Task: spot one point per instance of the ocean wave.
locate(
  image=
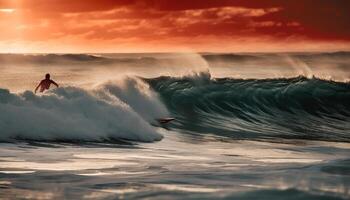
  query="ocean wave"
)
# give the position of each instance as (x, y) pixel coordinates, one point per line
(112, 111)
(297, 108)
(284, 108)
(73, 59)
(153, 58)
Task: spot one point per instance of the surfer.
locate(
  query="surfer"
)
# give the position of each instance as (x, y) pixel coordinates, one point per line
(45, 84)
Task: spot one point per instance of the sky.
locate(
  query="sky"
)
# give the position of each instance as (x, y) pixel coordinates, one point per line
(88, 26)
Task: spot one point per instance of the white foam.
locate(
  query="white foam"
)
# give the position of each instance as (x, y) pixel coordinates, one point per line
(138, 95)
(111, 111)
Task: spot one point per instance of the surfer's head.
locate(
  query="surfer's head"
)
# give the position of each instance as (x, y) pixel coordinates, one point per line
(47, 76)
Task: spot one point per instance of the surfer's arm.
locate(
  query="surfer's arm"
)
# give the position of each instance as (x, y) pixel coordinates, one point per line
(37, 87)
(53, 82)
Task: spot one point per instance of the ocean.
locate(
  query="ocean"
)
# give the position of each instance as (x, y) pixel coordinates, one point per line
(247, 126)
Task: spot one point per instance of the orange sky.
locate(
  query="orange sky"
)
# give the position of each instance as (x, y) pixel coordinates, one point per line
(173, 25)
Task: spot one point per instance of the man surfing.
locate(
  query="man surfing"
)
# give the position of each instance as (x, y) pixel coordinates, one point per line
(45, 84)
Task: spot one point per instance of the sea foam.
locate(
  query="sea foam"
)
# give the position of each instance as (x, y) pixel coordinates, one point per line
(114, 110)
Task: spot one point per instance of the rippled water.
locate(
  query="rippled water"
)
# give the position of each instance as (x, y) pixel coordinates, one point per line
(177, 167)
(256, 126)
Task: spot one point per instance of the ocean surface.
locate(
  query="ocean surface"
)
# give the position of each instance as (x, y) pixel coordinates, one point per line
(247, 126)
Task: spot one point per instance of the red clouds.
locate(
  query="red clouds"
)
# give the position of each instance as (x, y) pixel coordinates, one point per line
(197, 24)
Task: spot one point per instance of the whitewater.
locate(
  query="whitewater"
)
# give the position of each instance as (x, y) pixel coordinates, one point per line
(69, 113)
(246, 126)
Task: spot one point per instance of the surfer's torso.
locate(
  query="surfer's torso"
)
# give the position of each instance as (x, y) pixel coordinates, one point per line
(45, 84)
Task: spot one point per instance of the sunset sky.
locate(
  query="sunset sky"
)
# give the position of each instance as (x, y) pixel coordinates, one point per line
(78, 26)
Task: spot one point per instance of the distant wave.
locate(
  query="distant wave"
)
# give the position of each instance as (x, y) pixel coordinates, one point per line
(30, 59)
(112, 111)
(297, 108)
(153, 58)
(71, 59)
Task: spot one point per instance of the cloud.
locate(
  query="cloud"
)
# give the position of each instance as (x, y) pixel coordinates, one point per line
(142, 21)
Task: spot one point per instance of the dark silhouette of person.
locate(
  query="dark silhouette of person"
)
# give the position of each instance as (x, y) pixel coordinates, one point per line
(45, 84)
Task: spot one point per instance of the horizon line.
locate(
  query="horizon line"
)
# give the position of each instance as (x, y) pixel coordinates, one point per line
(183, 52)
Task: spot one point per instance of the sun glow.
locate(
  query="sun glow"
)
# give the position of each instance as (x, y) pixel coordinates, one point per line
(121, 26)
(7, 10)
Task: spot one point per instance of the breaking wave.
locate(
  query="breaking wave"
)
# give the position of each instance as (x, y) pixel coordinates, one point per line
(296, 108)
(284, 108)
(112, 111)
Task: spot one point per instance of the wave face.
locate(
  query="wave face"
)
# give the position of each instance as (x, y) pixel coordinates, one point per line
(293, 108)
(109, 112)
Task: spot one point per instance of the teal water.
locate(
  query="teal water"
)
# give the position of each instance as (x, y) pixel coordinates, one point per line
(177, 167)
(252, 126)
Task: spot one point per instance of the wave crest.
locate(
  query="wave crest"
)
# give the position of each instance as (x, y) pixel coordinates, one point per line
(111, 111)
(299, 107)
